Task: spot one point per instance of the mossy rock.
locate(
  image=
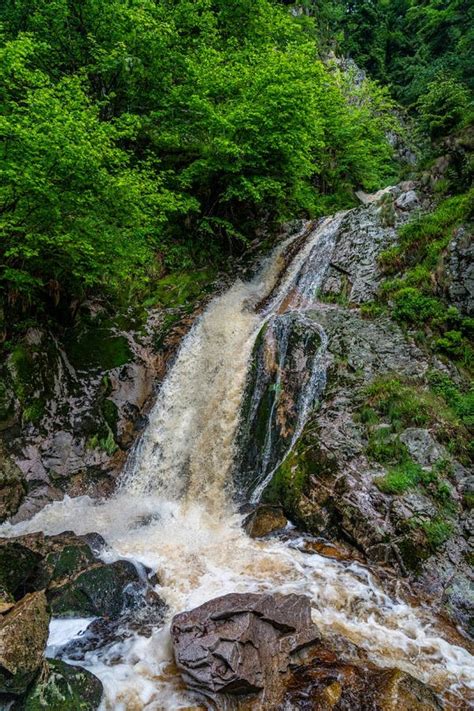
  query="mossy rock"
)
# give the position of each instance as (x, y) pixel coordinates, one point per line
(18, 564)
(23, 636)
(31, 369)
(290, 486)
(275, 392)
(97, 591)
(8, 415)
(64, 564)
(62, 687)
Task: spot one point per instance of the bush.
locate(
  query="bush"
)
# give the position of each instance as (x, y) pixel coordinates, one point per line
(444, 106)
(413, 306)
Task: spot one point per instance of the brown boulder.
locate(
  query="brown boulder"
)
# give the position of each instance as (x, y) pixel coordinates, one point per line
(23, 637)
(264, 520)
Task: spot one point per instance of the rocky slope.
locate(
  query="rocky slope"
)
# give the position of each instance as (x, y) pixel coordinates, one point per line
(384, 465)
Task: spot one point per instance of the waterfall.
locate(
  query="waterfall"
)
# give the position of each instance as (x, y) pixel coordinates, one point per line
(174, 509)
(188, 447)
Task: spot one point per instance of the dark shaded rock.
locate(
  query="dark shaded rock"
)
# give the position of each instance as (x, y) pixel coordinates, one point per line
(241, 643)
(23, 636)
(264, 520)
(76, 582)
(18, 565)
(62, 687)
(12, 486)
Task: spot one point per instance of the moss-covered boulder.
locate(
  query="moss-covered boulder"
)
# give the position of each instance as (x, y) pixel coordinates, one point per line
(99, 590)
(62, 687)
(23, 637)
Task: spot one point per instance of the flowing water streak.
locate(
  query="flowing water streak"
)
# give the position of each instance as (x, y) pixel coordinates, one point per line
(188, 445)
(197, 545)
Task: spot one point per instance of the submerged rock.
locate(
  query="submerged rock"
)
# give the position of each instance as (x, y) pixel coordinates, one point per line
(23, 636)
(62, 687)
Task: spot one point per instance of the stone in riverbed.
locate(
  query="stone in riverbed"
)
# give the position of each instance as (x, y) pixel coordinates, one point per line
(23, 636)
(241, 643)
(100, 590)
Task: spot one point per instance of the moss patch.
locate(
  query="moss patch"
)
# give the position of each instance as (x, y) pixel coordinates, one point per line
(97, 348)
(182, 288)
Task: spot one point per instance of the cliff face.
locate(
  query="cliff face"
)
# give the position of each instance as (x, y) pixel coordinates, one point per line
(384, 463)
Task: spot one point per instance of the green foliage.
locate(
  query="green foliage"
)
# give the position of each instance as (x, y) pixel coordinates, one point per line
(413, 306)
(415, 290)
(180, 288)
(461, 403)
(422, 50)
(401, 478)
(143, 135)
(444, 106)
(384, 447)
(401, 404)
(437, 532)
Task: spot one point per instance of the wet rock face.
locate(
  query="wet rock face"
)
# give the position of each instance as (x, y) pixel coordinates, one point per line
(241, 643)
(285, 361)
(70, 408)
(261, 652)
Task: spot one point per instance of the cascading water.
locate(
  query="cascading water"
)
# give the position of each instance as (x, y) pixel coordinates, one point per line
(174, 511)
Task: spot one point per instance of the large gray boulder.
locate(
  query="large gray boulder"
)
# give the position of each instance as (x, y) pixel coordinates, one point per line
(241, 643)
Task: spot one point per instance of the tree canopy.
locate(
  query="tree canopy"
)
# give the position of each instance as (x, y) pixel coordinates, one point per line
(138, 134)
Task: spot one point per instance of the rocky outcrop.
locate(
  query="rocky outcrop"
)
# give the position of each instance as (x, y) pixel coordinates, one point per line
(457, 275)
(262, 652)
(76, 582)
(72, 404)
(387, 473)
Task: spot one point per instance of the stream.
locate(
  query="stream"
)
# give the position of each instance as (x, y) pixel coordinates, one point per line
(175, 509)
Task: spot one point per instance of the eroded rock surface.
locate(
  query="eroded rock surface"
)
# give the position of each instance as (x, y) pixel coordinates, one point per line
(262, 652)
(241, 643)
